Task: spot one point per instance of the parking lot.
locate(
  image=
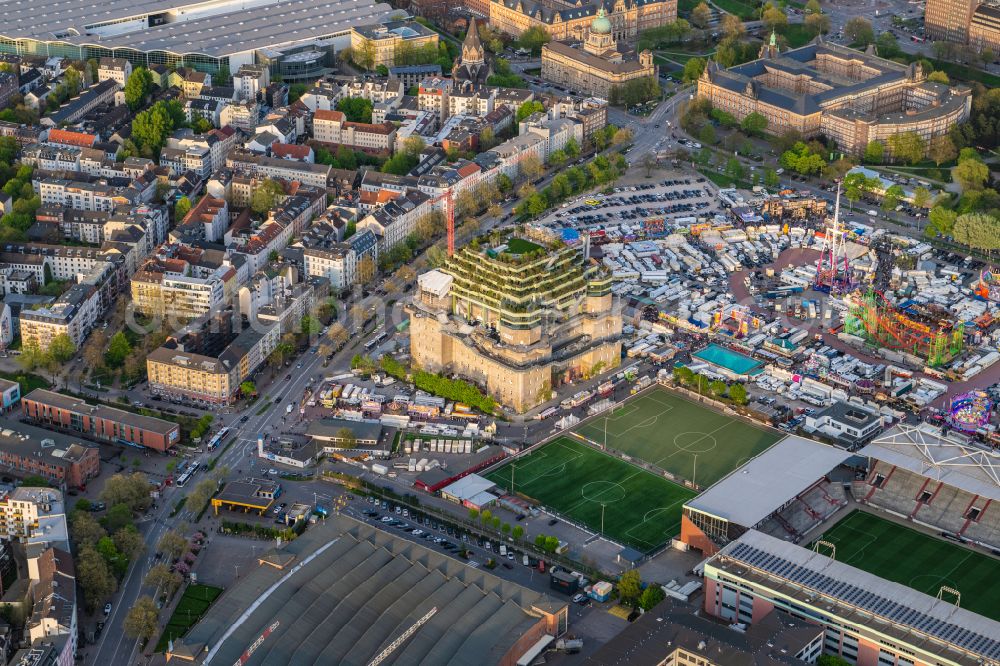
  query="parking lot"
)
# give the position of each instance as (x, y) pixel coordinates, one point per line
(675, 197)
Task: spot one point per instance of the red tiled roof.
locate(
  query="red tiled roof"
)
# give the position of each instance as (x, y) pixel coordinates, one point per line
(291, 151)
(68, 138)
(332, 116)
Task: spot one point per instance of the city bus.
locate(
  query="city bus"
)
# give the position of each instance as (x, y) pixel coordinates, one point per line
(217, 439)
(375, 342)
(183, 478)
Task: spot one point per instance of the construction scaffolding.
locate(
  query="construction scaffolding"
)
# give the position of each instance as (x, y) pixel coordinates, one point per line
(928, 332)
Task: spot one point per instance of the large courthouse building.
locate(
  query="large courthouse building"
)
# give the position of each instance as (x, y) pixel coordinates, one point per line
(827, 89)
(570, 20)
(516, 318)
(600, 66)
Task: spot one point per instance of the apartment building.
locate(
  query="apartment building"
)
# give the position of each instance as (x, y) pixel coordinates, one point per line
(262, 166)
(87, 193)
(34, 516)
(172, 287)
(433, 96)
(250, 81)
(207, 220)
(114, 69)
(332, 127)
(396, 220)
(88, 100)
(338, 261)
(73, 314)
(100, 422)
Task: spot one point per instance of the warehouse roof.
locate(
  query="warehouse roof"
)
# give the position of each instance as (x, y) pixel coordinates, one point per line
(272, 24)
(354, 590)
(751, 493)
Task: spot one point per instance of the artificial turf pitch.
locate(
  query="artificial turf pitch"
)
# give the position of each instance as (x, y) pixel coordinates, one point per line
(916, 559)
(641, 509)
(691, 441)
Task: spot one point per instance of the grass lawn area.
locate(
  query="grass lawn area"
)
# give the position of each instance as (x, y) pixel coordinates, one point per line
(797, 35)
(521, 246)
(190, 609)
(28, 380)
(915, 559)
(742, 9)
(675, 434)
(722, 180)
(640, 508)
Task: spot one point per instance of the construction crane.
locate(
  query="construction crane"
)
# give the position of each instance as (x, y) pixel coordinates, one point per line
(402, 638)
(451, 222)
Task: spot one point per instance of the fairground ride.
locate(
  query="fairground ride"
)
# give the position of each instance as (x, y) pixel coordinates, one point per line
(925, 331)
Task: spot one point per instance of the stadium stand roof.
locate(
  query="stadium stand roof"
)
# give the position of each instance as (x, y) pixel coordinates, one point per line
(753, 492)
(883, 607)
(352, 591)
(953, 459)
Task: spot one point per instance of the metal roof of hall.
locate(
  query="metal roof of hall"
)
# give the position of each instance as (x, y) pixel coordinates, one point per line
(216, 35)
(350, 591)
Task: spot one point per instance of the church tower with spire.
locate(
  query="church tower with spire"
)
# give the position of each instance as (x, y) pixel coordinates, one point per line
(473, 68)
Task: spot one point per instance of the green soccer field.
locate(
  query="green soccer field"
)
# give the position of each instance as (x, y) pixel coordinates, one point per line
(640, 509)
(915, 559)
(682, 437)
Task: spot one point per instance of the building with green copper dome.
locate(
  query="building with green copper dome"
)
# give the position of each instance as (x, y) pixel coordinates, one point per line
(601, 66)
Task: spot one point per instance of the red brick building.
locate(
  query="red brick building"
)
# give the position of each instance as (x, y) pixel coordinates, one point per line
(98, 422)
(26, 450)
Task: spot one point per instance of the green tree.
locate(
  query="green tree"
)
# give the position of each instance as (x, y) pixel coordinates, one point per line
(160, 577)
(172, 545)
(85, 530)
(939, 77)
(517, 532)
(651, 596)
(131, 490)
(971, 175)
(533, 39)
(137, 87)
(61, 348)
(181, 208)
(921, 197)
(346, 438)
(907, 146)
(701, 15)
(94, 576)
(118, 349)
(141, 620)
(771, 179)
(248, 389)
(356, 109)
(117, 517)
(528, 108)
(891, 197)
(774, 19)
(754, 124)
(817, 23)
(859, 31)
(942, 149)
(630, 587)
(266, 197)
(151, 127)
(738, 394)
(693, 69)
(874, 152)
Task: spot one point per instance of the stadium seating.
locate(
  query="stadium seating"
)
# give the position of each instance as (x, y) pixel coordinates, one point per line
(946, 510)
(987, 528)
(809, 509)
